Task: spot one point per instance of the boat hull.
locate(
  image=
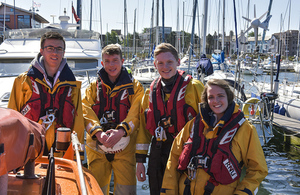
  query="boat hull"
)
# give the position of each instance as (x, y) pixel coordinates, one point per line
(66, 179)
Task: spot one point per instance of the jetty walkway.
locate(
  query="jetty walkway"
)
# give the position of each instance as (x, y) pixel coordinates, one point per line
(289, 125)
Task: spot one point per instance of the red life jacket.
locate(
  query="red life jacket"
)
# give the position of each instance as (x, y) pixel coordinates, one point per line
(214, 154)
(175, 112)
(116, 107)
(59, 103)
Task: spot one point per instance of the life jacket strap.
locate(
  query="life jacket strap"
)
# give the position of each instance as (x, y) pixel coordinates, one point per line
(187, 189)
(209, 187)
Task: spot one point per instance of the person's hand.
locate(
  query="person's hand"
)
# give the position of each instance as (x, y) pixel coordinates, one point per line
(102, 137)
(140, 172)
(114, 135)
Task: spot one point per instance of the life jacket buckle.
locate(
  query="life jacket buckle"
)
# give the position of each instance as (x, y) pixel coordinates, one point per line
(48, 119)
(160, 134)
(201, 161)
(103, 120)
(192, 169)
(196, 162)
(109, 115)
(166, 122)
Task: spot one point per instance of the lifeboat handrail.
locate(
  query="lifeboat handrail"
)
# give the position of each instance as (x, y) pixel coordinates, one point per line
(76, 145)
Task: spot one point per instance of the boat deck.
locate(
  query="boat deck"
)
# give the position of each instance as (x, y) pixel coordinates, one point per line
(289, 125)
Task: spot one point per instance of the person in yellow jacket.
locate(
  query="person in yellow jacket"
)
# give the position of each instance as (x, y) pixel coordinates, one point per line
(111, 112)
(171, 101)
(208, 154)
(48, 92)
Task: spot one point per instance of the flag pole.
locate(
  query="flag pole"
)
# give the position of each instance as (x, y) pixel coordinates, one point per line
(72, 13)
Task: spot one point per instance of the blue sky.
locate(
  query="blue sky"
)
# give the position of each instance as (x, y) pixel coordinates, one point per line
(113, 14)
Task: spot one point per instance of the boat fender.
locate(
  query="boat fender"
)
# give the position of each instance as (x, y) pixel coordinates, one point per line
(276, 108)
(282, 110)
(250, 108)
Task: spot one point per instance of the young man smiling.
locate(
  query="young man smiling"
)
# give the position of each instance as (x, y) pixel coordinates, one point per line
(171, 102)
(111, 111)
(48, 92)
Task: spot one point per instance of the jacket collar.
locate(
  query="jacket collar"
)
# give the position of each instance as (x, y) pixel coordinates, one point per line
(37, 70)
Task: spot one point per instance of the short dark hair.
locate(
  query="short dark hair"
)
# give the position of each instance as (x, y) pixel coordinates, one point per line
(166, 47)
(51, 35)
(220, 83)
(112, 49)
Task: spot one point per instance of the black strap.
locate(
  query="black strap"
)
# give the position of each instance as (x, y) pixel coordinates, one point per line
(110, 157)
(187, 189)
(209, 188)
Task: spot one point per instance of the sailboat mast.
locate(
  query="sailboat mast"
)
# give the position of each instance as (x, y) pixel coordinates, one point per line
(124, 27)
(163, 20)
(199, 44)
(204, 25)
(298, 43)
(134, 31)
(177, 42)
(218, 25)
(223, 38)
(101, 23)
(192, 35)
(91, 15)
(79, 14)
(183, 27)
(151, 28)
(5, 18)
(157, 21)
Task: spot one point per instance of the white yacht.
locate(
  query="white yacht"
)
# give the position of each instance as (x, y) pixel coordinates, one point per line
(83, 53)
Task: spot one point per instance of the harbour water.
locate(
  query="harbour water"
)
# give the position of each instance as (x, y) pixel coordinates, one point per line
(282, 157)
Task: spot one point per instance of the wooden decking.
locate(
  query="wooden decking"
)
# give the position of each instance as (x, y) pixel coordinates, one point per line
(291, 126)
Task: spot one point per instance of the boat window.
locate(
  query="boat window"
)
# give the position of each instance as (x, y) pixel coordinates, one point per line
(152, 70)
(145, 70)
(11, 67)
(78, 65)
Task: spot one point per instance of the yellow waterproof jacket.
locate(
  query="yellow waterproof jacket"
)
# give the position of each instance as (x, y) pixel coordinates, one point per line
(245, 147)
(192, 97)
(22, 92)
(91, 120)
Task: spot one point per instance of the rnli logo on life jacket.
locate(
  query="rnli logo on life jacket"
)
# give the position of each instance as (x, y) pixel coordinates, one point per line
(181, 93)
(228, 136)
(124, 95)
(25, 110)
(230, 168)
(35, 88)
